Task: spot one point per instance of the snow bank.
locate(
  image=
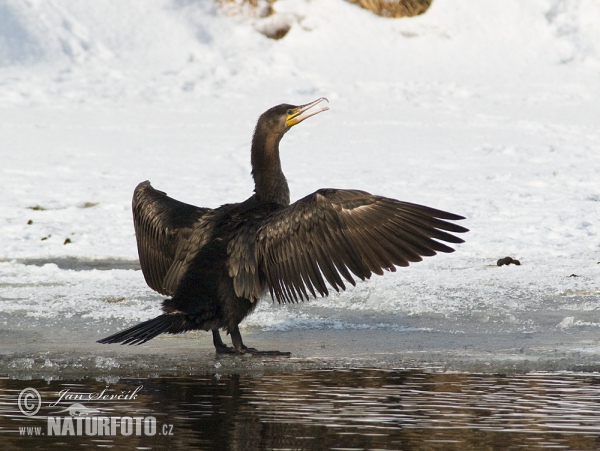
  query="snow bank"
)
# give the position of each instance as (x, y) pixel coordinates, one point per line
(110, 52)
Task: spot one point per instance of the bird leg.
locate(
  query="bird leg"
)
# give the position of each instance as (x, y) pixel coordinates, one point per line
(221, 347)
(241, 348)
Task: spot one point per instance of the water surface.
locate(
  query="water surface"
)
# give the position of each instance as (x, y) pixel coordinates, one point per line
(323, 409)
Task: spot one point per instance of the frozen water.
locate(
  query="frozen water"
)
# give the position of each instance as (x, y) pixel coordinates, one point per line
(486, 109)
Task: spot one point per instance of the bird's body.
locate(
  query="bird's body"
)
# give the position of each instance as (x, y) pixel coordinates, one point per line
(215, 264)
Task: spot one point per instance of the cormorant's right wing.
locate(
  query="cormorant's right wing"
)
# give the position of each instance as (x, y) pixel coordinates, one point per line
(332, 234)
(168, 234)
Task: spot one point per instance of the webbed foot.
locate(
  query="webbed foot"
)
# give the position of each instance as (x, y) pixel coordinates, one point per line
(227, 350)
(255, 351)
(239, 347)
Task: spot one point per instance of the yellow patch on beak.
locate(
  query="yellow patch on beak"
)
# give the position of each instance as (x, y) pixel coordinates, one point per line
(295, 115)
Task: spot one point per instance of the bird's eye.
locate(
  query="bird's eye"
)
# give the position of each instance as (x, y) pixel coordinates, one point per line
(290, 112)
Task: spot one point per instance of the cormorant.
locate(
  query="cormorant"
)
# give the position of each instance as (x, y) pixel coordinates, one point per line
(215, 264)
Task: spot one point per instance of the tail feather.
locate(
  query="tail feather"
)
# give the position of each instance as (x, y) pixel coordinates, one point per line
(171, 323)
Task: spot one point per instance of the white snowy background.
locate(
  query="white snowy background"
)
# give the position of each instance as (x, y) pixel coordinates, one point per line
(489, 109)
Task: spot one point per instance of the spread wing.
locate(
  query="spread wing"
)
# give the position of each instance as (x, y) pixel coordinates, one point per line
(168, 234)
(334, 235)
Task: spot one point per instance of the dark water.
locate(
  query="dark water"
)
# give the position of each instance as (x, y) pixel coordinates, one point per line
(352, 409)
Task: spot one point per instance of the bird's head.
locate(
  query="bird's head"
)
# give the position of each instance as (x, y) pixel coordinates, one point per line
(281, 118)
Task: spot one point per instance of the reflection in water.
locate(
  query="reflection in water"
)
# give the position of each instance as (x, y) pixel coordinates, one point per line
(325, 409)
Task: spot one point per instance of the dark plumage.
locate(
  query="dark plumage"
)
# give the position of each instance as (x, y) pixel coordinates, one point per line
(216, 263)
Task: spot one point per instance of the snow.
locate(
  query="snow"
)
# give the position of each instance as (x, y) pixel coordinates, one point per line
(487, 109)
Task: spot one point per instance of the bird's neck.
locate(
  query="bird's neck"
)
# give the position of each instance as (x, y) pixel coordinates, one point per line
(270, 184)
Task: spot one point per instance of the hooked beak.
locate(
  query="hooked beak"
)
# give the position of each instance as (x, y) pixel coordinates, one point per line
(295, 115)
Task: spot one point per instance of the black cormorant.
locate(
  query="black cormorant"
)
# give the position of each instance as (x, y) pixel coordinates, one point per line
(215, 264)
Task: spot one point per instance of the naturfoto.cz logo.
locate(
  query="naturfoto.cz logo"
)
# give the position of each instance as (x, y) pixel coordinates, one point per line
(81, 420)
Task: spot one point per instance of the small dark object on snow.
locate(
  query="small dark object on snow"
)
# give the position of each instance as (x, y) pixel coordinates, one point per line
(67, 241)
(216, 263)
(508, 261)
(30, 222)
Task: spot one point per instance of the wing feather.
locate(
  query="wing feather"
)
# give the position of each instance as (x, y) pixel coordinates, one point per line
(296, 274)
(316, 279)
(332, 235)
(168, 233)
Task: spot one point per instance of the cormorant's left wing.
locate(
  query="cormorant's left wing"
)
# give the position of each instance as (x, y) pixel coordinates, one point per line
(168, 233)
(332, 234)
